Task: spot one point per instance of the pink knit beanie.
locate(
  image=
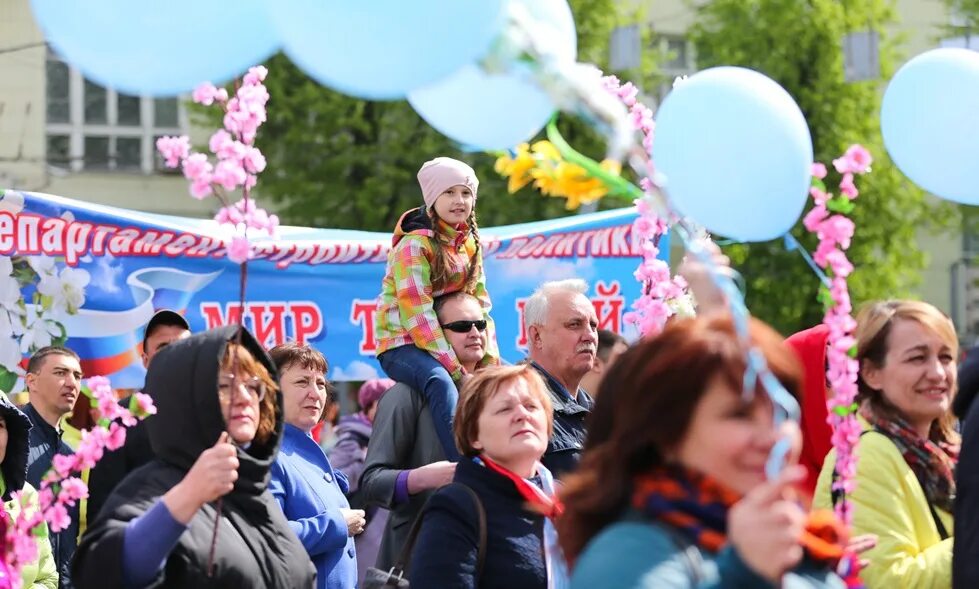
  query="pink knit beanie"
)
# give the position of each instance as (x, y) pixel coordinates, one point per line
(441, 173)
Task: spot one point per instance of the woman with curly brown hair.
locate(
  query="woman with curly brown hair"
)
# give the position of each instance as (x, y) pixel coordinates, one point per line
(672, 492)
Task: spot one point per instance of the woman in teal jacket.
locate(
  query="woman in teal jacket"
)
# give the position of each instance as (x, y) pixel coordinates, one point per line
(671, 491)
(14, 426)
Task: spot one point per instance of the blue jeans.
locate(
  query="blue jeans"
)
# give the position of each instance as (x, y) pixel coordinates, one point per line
(421, 371)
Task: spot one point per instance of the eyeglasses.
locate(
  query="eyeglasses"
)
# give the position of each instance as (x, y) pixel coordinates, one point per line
(254, 386)
(465, 326)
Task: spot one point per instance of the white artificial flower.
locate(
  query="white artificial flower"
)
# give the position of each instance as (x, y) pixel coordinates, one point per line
(679, 80)
(11, 322)
(9, 292)
(9, 354)
(73, 283)
(42, 265)
(67, 290)
(6, 266)
(11, 201)
(40, 334)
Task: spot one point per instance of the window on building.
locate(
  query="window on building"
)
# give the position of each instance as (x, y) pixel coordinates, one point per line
(676, 59)
(90, 127)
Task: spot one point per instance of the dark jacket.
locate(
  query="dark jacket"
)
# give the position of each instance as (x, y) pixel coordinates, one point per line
(44, 442)
(403, 439)
(444, 556)
(565, 446)
(14, 466)
(255, 546)
(115, 465)
(965, 549)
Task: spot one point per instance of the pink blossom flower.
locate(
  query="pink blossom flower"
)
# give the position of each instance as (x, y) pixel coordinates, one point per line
(253, 160)
(229, 174)
(815, 217)
(819, 196)
(836, 229)
(196, 165)
(57, 517)
(173, 149)
(201, 187)
(819, 170)
(219, 142)
(847, 187)
(25, 549)
(63, 464)
(144, 405)
(860, 159)
(207, 93)
(256, 75)
(627, 93)
(116, 437)
(239, 250)
(73, 489)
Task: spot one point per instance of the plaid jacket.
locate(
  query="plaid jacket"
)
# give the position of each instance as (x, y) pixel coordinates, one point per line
(405, 315)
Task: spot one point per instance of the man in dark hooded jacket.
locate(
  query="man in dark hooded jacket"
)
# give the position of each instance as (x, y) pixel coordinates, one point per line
(255, 546)
(965, 550)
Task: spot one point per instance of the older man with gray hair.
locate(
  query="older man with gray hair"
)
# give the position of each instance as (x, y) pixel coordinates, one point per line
(562, 333)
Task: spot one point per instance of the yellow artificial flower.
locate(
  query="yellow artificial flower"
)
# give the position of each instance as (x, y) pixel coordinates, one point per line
(518, 169)
(542, 163)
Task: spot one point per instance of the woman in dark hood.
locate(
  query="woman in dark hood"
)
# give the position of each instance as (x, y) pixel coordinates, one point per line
(156, 528)
(14, 425)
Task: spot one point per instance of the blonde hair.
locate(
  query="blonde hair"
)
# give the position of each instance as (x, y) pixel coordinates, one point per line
(483, 386)
(874, 324)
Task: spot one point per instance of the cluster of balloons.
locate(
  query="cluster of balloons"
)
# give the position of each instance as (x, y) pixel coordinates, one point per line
(425, 50)
(734, 147)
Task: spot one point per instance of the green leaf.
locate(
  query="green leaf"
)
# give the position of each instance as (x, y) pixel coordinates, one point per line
(8, 380)
(852, 352)
(817, 183)
(840, 205)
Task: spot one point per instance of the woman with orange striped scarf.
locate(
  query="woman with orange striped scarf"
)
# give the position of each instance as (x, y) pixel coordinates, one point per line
(672, 491)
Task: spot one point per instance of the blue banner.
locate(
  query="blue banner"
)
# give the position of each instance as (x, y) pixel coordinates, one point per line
(310, 285)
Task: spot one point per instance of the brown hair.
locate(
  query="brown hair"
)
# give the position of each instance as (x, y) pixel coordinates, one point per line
(440, 256)
(247, 364)
(874, 324)
(308, 357)
(483, 386)
(644, 408)
(37, 359)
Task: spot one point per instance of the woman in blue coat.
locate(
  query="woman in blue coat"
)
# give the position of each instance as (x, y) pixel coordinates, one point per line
(304, 483)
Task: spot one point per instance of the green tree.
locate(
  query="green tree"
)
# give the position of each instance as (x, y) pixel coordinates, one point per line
(336, 161)
(798, 44)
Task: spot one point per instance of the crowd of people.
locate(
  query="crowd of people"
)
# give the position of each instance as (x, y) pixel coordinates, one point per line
(590, 463)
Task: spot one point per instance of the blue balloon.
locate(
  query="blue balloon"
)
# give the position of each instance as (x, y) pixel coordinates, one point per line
(498, 111)
(736, 153)
(381, 49)
(930, 122)
(157, 48)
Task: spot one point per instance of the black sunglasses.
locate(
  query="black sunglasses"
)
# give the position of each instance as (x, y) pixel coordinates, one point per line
(465, 326)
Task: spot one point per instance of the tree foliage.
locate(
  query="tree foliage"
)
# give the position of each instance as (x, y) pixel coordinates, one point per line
(336, 161)
(798, 43)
